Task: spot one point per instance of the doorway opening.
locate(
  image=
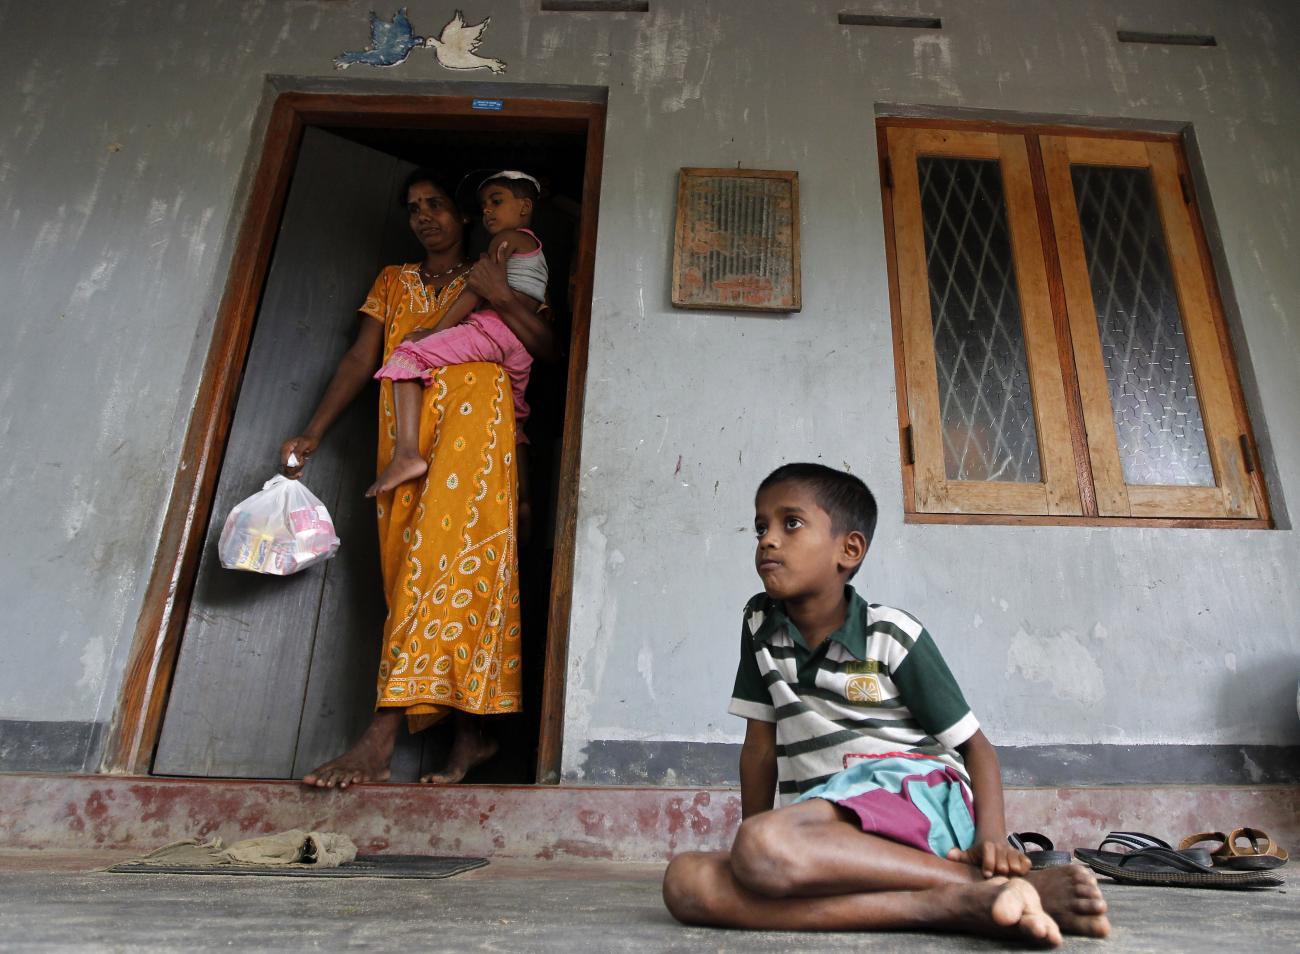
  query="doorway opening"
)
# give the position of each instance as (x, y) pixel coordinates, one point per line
(236, 675)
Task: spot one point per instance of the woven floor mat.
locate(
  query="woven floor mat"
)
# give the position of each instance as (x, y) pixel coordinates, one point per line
(364, 866)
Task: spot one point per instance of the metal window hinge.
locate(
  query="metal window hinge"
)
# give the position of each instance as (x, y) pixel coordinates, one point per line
(887, 172)
(1247, 457)
(909, 451)
(1187, 189)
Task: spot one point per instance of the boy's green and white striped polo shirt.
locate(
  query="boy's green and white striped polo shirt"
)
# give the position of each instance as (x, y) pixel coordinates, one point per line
(876, 685)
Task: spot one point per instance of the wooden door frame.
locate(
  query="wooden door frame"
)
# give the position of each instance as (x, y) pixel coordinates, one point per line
(137, 723)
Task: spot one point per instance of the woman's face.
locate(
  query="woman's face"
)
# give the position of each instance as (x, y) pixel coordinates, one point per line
(434, 218)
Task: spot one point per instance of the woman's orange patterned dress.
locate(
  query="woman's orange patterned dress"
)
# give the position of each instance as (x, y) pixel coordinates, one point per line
(447, 540)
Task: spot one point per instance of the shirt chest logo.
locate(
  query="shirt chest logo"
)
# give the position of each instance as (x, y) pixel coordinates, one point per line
(862, 688)
(862, 665)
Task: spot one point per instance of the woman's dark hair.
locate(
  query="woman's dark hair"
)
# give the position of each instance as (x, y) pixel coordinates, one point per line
(845, 498)
(422, 174)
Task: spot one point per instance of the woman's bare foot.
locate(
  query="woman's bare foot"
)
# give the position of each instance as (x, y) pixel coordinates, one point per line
(367, 760)
(471, 747)
(1070, 894)
(999, 907)
(402, 468)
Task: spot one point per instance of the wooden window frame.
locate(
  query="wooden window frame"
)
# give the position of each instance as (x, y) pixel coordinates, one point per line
(1082, 481)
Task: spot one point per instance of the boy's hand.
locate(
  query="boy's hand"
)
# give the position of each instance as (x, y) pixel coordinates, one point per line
(419, 333)
(993, 858)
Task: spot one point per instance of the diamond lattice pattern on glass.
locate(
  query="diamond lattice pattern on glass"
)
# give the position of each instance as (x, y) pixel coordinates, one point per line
(986, 405)
(1157, 418)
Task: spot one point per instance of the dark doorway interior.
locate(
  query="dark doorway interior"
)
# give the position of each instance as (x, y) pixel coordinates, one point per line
(276, 675)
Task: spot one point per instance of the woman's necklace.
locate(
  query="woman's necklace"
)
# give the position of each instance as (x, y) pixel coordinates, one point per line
(427, 279)
(430, 278)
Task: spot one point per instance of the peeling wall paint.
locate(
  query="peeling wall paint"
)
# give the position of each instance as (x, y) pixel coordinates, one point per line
(119, 177)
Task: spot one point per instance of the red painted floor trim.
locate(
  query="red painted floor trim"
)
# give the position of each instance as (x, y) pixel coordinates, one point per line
(62, 812)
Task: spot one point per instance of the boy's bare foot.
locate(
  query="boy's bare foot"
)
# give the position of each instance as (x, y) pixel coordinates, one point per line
(470, 748)
(366, 761)
(1070, 894)
(402, 468)
(1001, 908)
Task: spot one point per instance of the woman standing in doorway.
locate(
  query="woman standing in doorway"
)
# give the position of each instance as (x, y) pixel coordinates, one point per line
(447, 541)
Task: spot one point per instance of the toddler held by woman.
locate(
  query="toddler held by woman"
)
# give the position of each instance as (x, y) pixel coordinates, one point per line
(467, 333)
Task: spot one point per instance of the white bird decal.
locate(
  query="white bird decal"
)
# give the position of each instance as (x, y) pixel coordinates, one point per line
(455, 48)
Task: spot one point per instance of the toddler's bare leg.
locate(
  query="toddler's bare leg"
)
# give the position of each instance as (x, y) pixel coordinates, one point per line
(407, 464)
(703, 889)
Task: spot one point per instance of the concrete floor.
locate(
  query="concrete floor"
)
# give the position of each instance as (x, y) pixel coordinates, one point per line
(52, 902)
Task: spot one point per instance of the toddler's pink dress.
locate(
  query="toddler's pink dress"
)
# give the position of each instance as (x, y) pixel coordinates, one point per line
(482, 336)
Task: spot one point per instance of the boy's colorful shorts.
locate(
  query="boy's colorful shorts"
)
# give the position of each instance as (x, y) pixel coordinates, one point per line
(913, 800)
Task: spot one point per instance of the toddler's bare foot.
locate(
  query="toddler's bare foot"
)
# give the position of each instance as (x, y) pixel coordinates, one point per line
(1001, 908)
(1071, 896)
(367, 761)
(402, 468)
(469, 749)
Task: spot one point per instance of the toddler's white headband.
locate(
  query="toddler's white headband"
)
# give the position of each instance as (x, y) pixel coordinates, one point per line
(511, 174)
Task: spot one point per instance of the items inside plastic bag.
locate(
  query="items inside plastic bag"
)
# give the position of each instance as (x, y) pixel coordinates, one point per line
(279, 530)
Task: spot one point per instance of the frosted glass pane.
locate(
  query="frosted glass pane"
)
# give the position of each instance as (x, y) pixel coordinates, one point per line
(986, 406)
(1148, 367)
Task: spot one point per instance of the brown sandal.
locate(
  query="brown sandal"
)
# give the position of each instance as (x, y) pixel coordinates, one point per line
(1258, 853)
(1218, 838)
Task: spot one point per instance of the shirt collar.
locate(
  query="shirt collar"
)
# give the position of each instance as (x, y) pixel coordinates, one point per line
(852, 634)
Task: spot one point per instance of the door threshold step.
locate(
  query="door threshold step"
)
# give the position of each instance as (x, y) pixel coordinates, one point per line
(538, 822)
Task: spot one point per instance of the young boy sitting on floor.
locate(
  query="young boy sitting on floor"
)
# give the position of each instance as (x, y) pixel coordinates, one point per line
(856, 723)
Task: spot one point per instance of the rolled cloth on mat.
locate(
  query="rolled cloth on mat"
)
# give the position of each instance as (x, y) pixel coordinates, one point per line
(291, 849)
(319, 849)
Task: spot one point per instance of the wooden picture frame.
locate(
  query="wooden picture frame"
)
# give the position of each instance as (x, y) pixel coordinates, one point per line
(736, 241)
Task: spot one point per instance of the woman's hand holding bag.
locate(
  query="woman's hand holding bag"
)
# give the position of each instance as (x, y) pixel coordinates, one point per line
(294, 453)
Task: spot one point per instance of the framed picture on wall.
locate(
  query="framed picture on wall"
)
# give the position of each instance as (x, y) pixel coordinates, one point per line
(736, 245)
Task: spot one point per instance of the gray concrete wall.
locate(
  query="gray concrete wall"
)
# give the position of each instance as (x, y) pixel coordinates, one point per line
(121, 159)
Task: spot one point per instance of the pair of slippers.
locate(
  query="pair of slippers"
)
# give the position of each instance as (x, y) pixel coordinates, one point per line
(1150, 861)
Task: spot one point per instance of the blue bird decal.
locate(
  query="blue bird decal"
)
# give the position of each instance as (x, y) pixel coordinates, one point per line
(390, 43)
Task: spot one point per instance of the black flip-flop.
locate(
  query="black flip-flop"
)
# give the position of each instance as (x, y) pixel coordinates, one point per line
(1042, 854)
(1150, 861)
(1136, 841)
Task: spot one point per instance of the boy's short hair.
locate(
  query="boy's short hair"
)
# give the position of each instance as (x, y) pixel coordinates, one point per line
(845, 498)
(519, 188)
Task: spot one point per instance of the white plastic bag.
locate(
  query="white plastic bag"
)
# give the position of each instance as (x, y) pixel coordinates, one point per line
(279, 530)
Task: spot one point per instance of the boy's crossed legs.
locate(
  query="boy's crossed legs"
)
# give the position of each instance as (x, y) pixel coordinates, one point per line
(806, 867)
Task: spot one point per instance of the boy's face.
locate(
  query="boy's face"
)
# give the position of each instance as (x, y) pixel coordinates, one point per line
(502, 209)
(798, 552)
